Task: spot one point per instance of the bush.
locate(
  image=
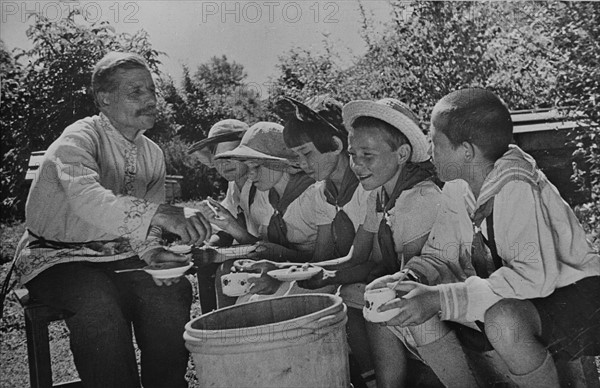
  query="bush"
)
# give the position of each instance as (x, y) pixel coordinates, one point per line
(51, 91)
(198, 181)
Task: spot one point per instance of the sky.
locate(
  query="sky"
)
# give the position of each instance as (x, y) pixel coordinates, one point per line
(252, 33)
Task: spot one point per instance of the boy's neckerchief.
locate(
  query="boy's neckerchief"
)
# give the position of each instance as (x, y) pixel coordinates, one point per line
(411, 174)
(342, 228)
(277, 230)
(514, 165)
(242, 217)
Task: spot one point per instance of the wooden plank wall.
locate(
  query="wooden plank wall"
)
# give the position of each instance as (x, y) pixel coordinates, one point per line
(544, 135)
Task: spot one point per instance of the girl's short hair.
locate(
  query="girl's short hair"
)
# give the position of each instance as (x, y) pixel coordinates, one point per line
(297, 133)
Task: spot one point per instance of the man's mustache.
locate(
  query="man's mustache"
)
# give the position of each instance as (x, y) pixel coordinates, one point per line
(146, 112)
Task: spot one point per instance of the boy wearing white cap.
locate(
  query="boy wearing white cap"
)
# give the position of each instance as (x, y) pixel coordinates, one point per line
(389, 154)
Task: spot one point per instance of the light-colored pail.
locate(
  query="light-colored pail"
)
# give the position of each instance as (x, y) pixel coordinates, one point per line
(291, 341)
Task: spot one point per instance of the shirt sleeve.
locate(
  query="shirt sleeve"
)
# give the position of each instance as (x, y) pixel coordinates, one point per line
(413, 216)
(156, 187)
(522, 234)
(77, 172)
(445, 257)
(372, 218)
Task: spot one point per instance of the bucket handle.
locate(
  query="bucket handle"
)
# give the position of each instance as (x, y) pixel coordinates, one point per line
(331, 319)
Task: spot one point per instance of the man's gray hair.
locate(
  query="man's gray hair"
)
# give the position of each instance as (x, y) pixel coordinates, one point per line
(104, 71)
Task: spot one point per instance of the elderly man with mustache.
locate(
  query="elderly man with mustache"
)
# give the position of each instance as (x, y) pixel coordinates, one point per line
(97, 206)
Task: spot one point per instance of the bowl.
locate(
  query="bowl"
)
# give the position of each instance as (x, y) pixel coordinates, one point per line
(167, 270)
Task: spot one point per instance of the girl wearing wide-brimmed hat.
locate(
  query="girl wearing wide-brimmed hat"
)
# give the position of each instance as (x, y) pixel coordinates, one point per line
(225, 135)
(287, 230)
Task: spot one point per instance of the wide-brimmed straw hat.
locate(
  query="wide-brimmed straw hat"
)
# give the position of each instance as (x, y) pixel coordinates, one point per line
(395, 113)
(263, 143)
(321, 109)
(223, 131)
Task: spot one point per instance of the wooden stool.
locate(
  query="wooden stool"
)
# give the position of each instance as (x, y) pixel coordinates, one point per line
(37, 318)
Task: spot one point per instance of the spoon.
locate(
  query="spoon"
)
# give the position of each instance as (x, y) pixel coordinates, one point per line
(155, 267)
(325, 263)
(130, 270)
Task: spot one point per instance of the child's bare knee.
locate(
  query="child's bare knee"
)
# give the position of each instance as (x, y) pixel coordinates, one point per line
(508, 322)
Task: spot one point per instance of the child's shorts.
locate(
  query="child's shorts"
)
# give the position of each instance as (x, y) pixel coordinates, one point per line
(571, 319)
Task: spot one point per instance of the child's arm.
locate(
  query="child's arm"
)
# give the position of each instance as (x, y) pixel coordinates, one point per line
(526, 239)
(355, 270)
(277, 253)
(218, 215)
(445, 257)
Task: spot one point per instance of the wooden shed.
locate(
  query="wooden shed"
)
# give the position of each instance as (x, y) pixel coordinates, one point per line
(544, 134)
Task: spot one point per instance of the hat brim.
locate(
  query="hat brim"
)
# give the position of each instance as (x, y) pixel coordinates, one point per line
(243, 152)
(226, 137)
(414, 134)
(289, 109)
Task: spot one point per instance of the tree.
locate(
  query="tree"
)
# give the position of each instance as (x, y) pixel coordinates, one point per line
(575, 35)
(216, 91)
(430, 49)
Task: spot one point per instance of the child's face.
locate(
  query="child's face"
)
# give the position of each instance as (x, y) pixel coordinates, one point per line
(315, 164)
(446, 157)
(372, 158)
(264, 178)
(228, 168)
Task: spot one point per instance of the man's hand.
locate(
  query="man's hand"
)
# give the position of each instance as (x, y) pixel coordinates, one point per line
(161, 255)
(418, 305)
(191, 226)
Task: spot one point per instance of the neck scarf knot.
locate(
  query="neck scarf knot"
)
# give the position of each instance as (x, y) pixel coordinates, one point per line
(277, 229)
(412, 174)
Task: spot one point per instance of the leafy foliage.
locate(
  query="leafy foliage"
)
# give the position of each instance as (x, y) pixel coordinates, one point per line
(216, 91)
(533, 54)
(577, 56)
(430, 49)
(199, 181)
(50, 90)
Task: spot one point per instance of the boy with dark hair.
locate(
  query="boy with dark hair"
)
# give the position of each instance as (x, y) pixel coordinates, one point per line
(511, 256)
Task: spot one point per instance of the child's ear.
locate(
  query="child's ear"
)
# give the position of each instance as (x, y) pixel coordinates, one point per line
(339, 145)
(403, 153)
(469, 151)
